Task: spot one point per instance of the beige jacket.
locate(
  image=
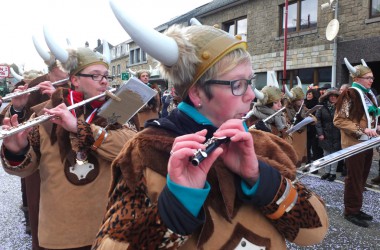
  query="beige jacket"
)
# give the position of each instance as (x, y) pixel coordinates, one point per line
(70, 214)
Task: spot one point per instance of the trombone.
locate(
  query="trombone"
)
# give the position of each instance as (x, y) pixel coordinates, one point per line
(29, 90)
(46, 117)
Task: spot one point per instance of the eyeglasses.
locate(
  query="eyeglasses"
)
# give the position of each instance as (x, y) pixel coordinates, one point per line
(238, 87)
(368, 78)
(96, 77)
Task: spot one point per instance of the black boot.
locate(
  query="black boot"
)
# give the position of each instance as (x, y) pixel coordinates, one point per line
(332, 177)
(325, 176)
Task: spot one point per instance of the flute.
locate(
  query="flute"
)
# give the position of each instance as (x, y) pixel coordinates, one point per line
(212, 144)
(269, 117)
(43, 118)
(29, 90)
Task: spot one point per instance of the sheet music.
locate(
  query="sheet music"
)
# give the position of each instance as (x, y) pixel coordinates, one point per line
(134, 95)
(300, 125)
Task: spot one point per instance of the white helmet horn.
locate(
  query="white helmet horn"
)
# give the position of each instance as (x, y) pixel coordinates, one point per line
(15, 75)
(351, 68)
(132, 72)
(45, 55)
(259, 95)
(364, 63)
(60, 53)
(194, 21)
(165, 49)
(275, 82)
(106, 52)
(288, 93)
(299, 83)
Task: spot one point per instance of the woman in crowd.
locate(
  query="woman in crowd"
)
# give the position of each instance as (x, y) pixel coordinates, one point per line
(314, 152)
(328, 134)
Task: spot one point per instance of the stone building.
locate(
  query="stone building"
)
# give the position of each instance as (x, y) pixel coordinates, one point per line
(261, 23)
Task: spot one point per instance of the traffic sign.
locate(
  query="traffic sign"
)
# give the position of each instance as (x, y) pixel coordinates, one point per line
(124, 76)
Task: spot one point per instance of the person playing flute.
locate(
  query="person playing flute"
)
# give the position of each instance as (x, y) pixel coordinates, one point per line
(241, 194)
(73, 153)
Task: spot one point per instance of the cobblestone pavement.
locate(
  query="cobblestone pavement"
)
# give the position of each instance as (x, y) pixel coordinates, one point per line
(341, 234)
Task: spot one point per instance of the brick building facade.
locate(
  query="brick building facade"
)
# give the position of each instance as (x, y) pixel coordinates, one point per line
(309, 53)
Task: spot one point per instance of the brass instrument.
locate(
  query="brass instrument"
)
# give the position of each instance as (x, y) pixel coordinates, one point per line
(269, 117)
(29, 90)
(43, 118)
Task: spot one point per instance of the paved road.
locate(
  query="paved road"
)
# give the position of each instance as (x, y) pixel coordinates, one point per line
(341, 235)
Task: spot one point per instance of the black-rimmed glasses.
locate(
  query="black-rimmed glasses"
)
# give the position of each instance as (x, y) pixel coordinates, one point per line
(238, 87)
(96, 77)
(368, 78)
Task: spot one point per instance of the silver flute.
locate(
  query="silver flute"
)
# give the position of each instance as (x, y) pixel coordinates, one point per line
(212, 144)
(40, 119)
(29, 90)
(269, 117)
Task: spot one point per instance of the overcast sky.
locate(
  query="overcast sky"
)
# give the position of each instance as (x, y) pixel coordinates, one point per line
(77, 20)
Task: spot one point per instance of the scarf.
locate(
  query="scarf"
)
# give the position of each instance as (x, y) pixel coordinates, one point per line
(372, 109)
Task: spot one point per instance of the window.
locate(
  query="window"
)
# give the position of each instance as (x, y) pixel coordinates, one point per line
(137, 56)
(113, 53)
(237, 27)
(118, 70)
(118, 51)
(375, 8)
(315, 76)
(302, 15)
(113, 70)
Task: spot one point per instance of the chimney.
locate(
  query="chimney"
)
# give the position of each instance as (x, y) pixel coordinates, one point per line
(87, 44)
(99, 42)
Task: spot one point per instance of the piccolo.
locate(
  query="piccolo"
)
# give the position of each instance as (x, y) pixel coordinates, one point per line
(46, 117)
(269, 117)
(29, 90)
(212, 144)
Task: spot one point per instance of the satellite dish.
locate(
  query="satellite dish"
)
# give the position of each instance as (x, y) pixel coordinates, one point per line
(332, 29)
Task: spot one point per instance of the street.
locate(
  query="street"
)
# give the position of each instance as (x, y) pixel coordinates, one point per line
(341, 235)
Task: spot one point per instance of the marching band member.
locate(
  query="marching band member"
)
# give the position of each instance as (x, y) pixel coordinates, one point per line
(296, 111)
(269, 101)
(356, 116)
(241, 194)
(24, 105)
(73, 153)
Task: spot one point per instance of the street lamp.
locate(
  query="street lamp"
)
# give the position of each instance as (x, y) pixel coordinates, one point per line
(331, 32)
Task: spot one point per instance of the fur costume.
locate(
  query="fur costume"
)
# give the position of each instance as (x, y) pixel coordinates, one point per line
(138, 181)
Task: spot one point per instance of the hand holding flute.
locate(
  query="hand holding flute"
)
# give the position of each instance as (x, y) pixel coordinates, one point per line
(238, 155)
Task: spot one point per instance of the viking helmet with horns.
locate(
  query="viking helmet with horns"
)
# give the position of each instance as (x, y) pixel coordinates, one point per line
(270, 93)
(184, 53)
(296, 93)
(74, 60)
(358, 70)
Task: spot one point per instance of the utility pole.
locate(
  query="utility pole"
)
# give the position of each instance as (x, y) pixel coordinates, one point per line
(335, 51)
(285, 45)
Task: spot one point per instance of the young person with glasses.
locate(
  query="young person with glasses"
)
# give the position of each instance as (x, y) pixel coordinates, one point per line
(73, 152)
(159, 199)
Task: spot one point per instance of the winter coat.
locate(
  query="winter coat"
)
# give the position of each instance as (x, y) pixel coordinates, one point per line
(141, 204)
(350, 117)
(325, 127)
